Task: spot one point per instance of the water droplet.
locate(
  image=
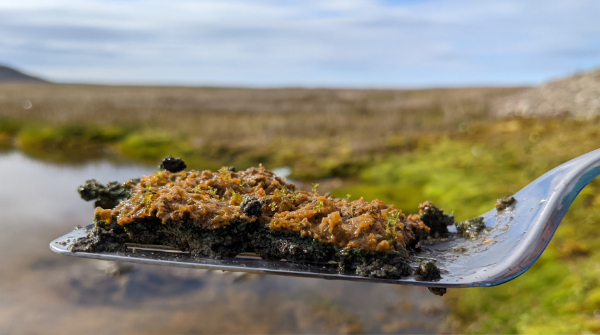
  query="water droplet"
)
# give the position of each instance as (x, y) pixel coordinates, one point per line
(26, 104)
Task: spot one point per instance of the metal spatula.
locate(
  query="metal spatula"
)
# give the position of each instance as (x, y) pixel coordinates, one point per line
(514, 240)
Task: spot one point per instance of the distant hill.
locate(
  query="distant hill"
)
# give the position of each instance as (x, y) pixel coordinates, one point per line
(578, 95)
(10, 75)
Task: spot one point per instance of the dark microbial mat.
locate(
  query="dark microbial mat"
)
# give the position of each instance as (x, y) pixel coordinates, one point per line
(441, 250)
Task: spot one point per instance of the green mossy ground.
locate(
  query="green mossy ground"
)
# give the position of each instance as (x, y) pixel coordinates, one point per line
(467, 172)
(72, 144)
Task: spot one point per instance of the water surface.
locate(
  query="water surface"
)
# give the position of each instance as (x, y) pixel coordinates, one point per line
(41, 292)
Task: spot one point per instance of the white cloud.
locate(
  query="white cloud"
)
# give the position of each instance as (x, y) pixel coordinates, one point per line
(301, 42)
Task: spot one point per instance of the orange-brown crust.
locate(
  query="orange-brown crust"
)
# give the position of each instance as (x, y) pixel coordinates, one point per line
(212, 200)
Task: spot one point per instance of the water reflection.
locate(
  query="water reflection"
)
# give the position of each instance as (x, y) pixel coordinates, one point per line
(44, 292)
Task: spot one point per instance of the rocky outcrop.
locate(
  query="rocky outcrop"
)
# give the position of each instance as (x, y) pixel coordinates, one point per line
(578, 96)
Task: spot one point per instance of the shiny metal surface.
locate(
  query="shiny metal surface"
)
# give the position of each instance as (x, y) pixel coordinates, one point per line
(515, 239)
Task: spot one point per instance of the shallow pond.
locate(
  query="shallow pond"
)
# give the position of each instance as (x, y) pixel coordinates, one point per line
(41, 292)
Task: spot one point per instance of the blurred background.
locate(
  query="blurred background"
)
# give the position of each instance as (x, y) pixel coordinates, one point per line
(458, 102)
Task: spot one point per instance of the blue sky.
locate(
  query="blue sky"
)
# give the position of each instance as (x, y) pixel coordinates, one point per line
(326, 43)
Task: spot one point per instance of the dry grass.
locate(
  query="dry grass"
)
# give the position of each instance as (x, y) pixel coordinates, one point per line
(320, 132)
(212, 114)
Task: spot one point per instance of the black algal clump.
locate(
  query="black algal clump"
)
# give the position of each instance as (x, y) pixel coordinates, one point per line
(389, 265)
(105, 196)
(172, 164)
(435, 219)
(437, 290)
(251, 207)
(505, 202)
(470, 228)
(428, 271)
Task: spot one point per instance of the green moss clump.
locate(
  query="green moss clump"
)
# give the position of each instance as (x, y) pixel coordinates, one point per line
(10, 126)
(148, 145)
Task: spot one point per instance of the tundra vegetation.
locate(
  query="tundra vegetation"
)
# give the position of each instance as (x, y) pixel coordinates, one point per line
(400, 146)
